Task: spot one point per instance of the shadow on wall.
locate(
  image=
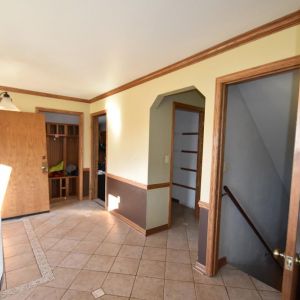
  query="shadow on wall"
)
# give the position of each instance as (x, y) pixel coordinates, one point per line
(259, 142)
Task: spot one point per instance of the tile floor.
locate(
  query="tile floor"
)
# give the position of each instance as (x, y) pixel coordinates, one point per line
(88, 248)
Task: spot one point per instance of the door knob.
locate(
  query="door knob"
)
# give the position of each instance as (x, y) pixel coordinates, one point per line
(44, 168)
(277, 254)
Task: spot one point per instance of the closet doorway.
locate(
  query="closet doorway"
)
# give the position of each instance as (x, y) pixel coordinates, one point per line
(98, 163)
(64, 154)
(186, 165)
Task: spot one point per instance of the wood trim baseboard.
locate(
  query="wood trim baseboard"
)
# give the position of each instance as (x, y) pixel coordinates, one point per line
(157, 229)
(199, 268)
(129, 222)
(42, 94)
(252, 35)
(158, 185)
(222, 262)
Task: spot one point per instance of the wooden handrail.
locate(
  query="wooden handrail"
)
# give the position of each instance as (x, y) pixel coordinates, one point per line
(250, 223)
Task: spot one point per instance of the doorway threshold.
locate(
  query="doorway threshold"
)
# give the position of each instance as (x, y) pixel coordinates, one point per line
(100, 202)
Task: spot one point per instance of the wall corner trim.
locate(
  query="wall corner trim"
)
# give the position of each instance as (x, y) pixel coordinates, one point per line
(139, 184)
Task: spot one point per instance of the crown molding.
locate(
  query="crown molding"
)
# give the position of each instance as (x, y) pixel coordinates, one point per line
(254, 34)
(41, 94)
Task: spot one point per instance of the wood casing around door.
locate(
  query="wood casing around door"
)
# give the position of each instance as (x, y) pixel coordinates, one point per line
(23, 147)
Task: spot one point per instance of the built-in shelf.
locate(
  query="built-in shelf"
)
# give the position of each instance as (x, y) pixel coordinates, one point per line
(189, 151)
(184, 186)
(190, 133)
(188, 169)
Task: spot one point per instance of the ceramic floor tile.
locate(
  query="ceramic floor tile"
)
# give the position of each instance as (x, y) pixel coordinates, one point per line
(151, 253)
(179, 256)
(19, 296)
(200, 278)
(19, 261)
(267, 295)
(75, 260)
(63, 277)
(87, 247)
(76, 235)
(236, 278)
(77, 295)
(111, 297)
(194, 256)
(99, 263)
(88, 281)
(178, 290)
(118, 284)
(125, 265)
(54, 257)
(131, 251)
(135, 239)
(117, 238)
(210, 292)
(47, 243)
(176, 271)
(108, 249)
(65, 245)
(21, 249)
(242, 294)
(151, 268)
(46, 293)
(261, 286)
(156, 241)
(15, 240)
(148, 288)
(58, 233)
(22, 275)
(179, 244)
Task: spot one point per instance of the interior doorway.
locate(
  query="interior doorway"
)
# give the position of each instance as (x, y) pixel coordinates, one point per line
(286, 256)
(99, 162)
(64, 154)
(186, 163)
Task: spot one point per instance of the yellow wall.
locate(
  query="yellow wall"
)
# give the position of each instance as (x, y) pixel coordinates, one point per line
(28, 103)
(161, 132)
(129, 111)
(128, 146)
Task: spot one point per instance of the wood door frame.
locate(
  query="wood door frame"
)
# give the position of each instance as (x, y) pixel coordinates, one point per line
(80, 152)
(200, 110)
(93, 179)
(220, 112)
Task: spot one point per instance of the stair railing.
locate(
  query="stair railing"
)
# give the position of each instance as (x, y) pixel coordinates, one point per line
(250, 223)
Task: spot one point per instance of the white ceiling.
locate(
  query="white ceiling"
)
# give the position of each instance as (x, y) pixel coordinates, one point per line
(83, 48)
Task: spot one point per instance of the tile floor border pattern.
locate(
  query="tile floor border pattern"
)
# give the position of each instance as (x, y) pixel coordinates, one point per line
(44, 267)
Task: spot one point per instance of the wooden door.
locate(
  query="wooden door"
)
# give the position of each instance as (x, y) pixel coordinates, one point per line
(291, 268)
(23, 147)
